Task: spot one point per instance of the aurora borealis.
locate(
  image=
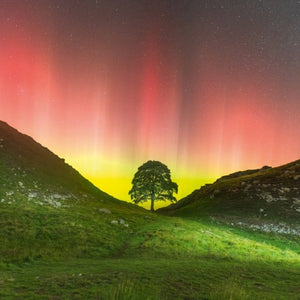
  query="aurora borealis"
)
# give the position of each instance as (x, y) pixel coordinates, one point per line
(206, 87)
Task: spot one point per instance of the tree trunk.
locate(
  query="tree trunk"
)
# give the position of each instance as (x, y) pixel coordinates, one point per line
(152, 202)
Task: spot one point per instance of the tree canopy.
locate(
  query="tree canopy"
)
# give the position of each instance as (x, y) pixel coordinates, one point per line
(153, 182)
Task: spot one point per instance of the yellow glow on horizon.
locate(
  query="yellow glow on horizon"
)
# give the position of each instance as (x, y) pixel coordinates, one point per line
(114, 178)
(118, 187)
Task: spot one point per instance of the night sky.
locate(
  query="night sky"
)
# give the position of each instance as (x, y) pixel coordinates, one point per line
(206, 87)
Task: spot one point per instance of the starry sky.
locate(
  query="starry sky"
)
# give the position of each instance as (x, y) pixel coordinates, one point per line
(207, 87)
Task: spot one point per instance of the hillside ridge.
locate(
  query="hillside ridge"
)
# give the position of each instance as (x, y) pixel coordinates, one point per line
(266, 192)
(30, 170)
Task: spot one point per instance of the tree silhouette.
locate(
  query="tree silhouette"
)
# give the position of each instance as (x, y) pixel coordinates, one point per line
(153, 182)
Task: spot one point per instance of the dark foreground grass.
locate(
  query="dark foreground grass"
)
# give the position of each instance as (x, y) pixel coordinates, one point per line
(150, 279)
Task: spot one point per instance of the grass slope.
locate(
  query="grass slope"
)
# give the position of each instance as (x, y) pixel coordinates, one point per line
(77, 253)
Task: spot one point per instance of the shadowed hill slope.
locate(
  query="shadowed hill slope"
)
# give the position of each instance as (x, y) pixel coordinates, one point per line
(28, 167)
(266, 193)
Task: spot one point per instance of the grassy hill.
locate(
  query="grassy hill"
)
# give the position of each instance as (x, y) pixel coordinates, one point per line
(267, 194)
(28, 169)
(62, 238)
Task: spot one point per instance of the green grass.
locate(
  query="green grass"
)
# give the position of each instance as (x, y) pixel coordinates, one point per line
(76, 253)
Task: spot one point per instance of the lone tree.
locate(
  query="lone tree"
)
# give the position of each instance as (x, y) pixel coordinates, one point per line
(153, 182)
